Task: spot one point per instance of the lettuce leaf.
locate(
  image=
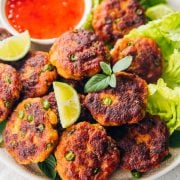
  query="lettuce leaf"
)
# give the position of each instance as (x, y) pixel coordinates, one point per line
(171, 74)
(165, 102)
(88, 23)
(149, 3)
(166, 32)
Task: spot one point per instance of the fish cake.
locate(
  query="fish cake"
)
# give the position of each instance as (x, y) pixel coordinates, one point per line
(37, 74)
(10, 88)
(114, 18)
(30, 134)
(124, 104)
(77, 54)
(4, 34)
(85, 152)
(147, 58)
(144, 145)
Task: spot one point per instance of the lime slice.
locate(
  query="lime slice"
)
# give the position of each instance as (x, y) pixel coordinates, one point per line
(158, 11)
(68, 103)
(15, 47)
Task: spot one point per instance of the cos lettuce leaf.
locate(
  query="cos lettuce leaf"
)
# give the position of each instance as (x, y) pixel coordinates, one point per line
(171, 73)
(165, 102)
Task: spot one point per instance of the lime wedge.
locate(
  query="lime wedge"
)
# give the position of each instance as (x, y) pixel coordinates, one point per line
(16, 47)
(68, 103)
(158, 11)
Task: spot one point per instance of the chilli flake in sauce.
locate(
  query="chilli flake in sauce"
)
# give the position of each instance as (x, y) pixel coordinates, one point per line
(44, 19)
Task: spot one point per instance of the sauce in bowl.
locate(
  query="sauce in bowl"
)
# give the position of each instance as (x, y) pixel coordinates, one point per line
(44, 19)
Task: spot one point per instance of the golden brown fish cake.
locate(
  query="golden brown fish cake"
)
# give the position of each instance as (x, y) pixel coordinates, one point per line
(144, 145)
(125, 104)
(10, 87)
(77, 54)
(4, 34)
(37, 74)
(114, 18)
(147, 58)
(85, 152)
(30, 134)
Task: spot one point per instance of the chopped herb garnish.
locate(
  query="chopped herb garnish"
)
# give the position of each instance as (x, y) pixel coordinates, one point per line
(73, 57)
(70, 156)
(49, 145)
(116, 21)
(107, 101)
(46, 104)
(21, 114)
(7, 104)
(40, 128)
(48, 67)
(7, 80)
(30, 118)
(26, 106)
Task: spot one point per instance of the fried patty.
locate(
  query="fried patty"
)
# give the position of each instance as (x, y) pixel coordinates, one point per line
(10, 88)
(147, 58)
(4, 34)
(124, 104)
(144, 145)
(30, 134)
(77, 54)
(85, 152)
(37, 74)
(114, 18)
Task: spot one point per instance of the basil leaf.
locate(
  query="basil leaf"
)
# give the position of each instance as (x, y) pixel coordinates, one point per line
(122, 64)
(112, 81)
(97, 83)
(106, 68)
(175, 139)
(48, 167)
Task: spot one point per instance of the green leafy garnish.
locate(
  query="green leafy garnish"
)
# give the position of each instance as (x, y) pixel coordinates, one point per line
(165, 102)
(149, 3)
(167, 157)
(48, 168)
(101, 81)
(97, 83)
(112, 81)
(2, 127)
(122, 64)
(106, 68)
(7, 79)
(30, 118)
(175, 139)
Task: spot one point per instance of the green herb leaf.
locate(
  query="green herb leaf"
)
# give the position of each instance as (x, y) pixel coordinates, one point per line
(106, 68)
(2, 127)
(112, 81)
(97, 83)
(167, 157)
(122, 64)
(175, 139)
(48, 167)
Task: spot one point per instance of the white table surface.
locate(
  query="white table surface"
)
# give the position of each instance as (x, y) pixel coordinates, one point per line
(8, 174)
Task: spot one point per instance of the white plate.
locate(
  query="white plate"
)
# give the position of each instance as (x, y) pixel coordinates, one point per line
(32, 171)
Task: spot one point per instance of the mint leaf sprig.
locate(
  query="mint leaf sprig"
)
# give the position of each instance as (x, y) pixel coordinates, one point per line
(101, 81)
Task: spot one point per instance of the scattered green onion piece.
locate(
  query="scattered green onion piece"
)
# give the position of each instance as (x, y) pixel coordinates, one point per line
(70, 156)
(46, 104)
(21, 114)
(107, 101)
(30, 118)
